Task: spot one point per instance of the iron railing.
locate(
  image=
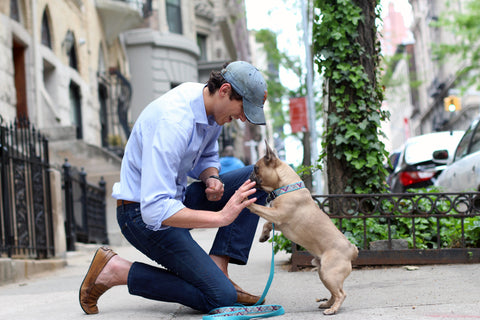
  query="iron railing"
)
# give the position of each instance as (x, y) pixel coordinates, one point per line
(26, 226)
(85, 208)
(433, 227)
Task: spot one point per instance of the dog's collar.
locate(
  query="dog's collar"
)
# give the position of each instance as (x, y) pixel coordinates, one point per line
(291, 187)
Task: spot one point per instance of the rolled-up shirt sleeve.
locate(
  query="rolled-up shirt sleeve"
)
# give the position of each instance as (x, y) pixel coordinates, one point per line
(162, 154)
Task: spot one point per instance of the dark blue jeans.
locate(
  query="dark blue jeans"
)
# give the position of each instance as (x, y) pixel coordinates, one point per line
(189, 276)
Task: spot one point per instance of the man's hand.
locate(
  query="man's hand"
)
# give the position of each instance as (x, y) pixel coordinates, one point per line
(214, 189)
(238, 202)
(188, 218)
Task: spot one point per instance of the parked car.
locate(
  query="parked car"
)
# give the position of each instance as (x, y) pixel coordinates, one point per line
(463, 174)
(415, 167)
(393, 158)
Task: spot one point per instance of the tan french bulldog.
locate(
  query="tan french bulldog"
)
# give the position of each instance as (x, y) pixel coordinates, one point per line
(298, 217)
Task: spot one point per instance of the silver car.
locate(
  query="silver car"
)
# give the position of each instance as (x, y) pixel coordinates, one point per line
(416, 166)
(463, 174)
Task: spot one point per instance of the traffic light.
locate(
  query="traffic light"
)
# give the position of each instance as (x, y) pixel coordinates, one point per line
(452, 103)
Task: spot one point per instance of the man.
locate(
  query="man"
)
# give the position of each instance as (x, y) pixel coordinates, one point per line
(175, 137)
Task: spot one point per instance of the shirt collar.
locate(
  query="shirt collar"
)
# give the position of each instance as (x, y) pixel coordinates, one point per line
(200, 112)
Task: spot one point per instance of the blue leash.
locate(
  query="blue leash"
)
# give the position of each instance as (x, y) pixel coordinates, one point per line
(240, 312)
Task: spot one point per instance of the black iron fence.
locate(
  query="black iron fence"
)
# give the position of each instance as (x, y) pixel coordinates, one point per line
(410, 228)
(26, 226)
(85, 208)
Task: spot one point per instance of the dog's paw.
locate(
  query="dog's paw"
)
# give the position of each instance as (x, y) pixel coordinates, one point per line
(316, 262)
(329, 312)
(326, 303)
(267, 228)
(264, 237)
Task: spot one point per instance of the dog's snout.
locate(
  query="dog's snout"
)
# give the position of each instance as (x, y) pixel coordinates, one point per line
(253, 175)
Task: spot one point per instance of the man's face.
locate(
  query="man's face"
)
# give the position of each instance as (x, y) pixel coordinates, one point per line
(229, 109)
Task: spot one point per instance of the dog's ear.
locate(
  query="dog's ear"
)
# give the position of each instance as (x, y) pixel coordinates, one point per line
(270, 154)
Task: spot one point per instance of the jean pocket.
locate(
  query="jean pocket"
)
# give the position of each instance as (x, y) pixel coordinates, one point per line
(136, 236)
(134, 229)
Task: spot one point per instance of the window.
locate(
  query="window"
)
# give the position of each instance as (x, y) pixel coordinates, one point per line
(475, 145)
(103, 100)
(71, 49)
(76, 109)
(462, 148)
(202, 44)
(174, 16)
(46, 38)
(14, 12)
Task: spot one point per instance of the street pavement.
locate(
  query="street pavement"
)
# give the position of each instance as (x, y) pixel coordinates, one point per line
(426, 292)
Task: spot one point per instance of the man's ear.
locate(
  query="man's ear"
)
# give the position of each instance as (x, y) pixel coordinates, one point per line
(225, 89)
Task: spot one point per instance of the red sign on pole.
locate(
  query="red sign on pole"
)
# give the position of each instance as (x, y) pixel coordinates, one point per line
(298, 115)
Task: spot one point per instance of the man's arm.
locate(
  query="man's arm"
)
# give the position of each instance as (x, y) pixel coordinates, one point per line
(189, 218)
(214, 187)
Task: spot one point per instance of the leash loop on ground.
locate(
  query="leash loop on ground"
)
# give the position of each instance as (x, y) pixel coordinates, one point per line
(240, 312)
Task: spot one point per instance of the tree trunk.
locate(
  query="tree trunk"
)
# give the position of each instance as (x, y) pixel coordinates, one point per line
(338, 174)
(307, 159)
(337, 169)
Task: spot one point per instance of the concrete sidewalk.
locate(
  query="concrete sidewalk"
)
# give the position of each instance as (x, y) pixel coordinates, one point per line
(429, 292)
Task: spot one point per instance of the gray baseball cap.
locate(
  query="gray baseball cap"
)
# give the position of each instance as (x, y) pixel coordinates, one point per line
(249, 83)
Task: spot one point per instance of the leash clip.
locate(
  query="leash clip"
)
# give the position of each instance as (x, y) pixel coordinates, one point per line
(271, 196)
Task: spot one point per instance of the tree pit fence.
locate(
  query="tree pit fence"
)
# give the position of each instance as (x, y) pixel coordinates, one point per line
(404, 229)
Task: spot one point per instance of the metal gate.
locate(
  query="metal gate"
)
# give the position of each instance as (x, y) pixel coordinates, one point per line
(85, 208)
(26, 227)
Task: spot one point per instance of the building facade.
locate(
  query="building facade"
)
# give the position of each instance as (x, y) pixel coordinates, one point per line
(57, 64)
(421, 82)
(82, 71)
(439, 79)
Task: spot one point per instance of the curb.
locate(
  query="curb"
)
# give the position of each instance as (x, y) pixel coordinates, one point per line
(16, 270)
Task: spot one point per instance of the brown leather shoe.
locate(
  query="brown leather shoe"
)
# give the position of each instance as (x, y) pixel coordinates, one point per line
(89, 291)
(244, 297)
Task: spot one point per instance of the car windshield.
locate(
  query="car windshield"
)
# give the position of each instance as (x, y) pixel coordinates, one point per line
(420, 149)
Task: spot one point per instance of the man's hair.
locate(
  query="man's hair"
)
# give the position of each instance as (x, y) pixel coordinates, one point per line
(216, 80)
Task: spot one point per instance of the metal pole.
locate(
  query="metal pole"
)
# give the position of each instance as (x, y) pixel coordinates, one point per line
(309, 80)
(5, 154)
(70, 219)
(84, 200)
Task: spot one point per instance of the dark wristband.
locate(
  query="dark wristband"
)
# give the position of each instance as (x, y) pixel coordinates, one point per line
(216, 177)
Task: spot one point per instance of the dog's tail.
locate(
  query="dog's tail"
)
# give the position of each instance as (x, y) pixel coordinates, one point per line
(354, 252)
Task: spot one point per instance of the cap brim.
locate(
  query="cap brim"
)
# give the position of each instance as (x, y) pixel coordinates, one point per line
(253, 113)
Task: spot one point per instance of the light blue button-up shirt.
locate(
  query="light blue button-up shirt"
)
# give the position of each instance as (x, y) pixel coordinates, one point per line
(172, 138)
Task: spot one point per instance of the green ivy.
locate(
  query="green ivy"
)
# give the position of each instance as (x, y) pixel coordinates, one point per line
(353, 130)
